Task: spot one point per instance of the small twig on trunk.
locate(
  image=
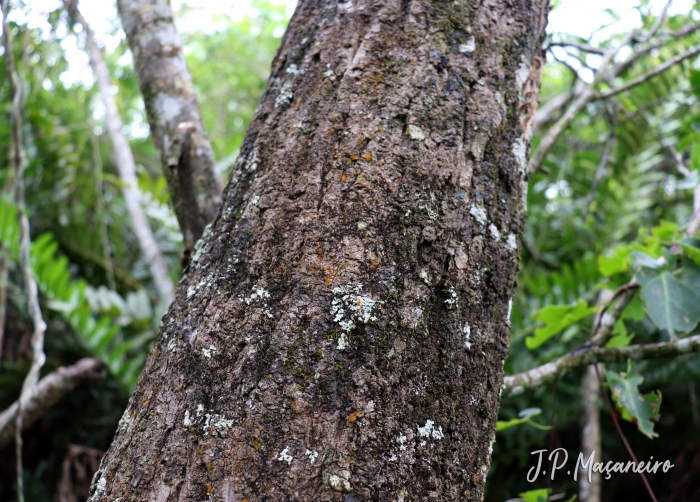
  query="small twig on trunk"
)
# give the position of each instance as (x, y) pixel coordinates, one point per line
(18, 161)
(49, 391)
(125, 163)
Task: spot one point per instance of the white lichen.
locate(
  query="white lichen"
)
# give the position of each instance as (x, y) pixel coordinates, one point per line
(342, 343)
(285, 96)
(258, 294)
(479, 214)
(429, 430)
(209, 352)
(415, 133)
(101, 485)
(312, 455)
(512, 242)
(187, 422)
(341, 481)
(285, 456)
(200, 410)
(292, 68)
(350, 306)
(255, 199)
(469, 46)
(467, 334)
(494, 232)
(452, 300)
(510, 308)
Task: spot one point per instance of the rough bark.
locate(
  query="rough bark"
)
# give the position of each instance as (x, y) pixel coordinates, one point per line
(126, 165)
(49, 391)
(341, 329)
(173, 114)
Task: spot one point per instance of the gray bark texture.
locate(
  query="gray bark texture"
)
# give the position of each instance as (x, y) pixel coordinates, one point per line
(173, 113)
(340, 331)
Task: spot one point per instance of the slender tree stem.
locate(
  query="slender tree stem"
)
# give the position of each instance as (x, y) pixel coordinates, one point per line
(125, 164)
(18, 160)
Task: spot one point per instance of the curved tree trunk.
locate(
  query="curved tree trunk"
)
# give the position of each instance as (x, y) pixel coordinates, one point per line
(173, 113)
(341, 329)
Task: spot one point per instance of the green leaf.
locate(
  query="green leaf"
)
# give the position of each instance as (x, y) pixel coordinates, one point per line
(671, 303)
(616, 262)
(540, 495)
(637, 408)
(665, 231)
(523, 417)
(556, 319)
(620, 337)
(692, 249)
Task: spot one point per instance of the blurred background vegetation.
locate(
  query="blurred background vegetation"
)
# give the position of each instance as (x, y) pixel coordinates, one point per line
(99, 300)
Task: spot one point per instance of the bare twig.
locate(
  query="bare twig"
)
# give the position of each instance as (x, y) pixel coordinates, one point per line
(640, 53)
(651, 74)
(49, 391)
(125, 163)
(657, 24)
(516, 384)
(547, 113)
(578, 45)
(18, 160)
(588, 94)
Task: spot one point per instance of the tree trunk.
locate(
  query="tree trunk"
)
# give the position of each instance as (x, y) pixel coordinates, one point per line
(173, 113)
(341, 329)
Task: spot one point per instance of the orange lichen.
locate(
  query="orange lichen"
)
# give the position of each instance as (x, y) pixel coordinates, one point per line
(343, 178)
(353, 416)
(368, 157)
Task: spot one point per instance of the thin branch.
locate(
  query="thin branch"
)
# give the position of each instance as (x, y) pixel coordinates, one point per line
(640, 53)
(651, 74)
(578, 45)
(18, 160)
(125, 163)
(551, 108)
(587, 95)
(536, 377)
(657, 23)
(50, 390)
